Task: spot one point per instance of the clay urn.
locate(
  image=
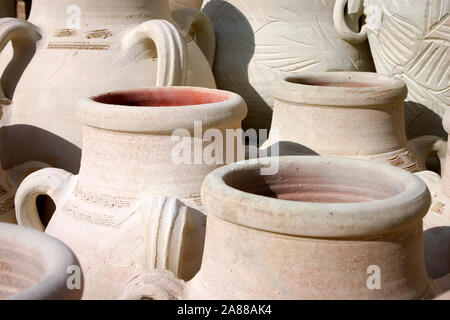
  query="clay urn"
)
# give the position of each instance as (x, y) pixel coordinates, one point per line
(348, 114)
(320, 228)
(135, 205)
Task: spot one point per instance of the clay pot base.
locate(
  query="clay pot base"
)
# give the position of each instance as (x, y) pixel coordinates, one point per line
(294, 183)
(162, 97)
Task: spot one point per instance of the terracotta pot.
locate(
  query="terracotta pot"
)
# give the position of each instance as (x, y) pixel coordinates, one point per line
(437, 221)
(69, 51)
(259, 40)
(409, 40)
(318, 229)
(350, 114)
(121, 213)
(35, 266)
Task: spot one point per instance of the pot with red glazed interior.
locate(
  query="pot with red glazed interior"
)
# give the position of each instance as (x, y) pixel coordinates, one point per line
(135, 204)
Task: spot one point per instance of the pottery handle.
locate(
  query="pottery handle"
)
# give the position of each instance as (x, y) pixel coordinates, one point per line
(346, 11)
(198, 25)
(170, 49)
(425, 146)
(50, 181)
(153, 285)
(23, 36)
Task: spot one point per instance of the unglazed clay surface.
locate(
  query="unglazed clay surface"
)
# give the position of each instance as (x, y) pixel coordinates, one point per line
(410, 40)
(177, 4)
(33, 266)
(350, 114)
(132, 208)
(317, 244)
(260, 40)
(68, 51)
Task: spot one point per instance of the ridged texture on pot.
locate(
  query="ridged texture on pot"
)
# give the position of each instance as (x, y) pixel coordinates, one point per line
(410, 39)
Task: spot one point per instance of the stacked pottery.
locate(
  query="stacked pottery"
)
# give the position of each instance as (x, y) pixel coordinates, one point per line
(321, 228)
(409, 40)
(347, 114)
(260, 40)
(69, 51)
(35, 266)
(437, 221)
(135, 204)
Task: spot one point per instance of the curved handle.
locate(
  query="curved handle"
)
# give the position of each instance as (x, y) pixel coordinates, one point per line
(198, 25)
(23, 36)
(425, 146)
(348, 12)
(153, 285)
(170, 50)
(55, 183)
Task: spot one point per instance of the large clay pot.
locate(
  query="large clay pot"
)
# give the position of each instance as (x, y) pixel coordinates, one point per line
(410, 40)
(315, 230)
(437, 221)
(121, 213)
(350, 114)
(7, 8)
(68, 51)
(259, 40)
(35, 266)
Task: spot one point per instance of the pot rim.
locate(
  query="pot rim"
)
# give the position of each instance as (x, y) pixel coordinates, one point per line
(377, 89)
(316, 220)
(162, 119)
(55, 256)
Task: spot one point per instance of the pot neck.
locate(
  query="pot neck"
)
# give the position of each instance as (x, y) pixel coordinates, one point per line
(341, 130)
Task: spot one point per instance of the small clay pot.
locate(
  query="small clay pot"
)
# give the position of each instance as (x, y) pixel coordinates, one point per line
(35, 266)
(347, 114)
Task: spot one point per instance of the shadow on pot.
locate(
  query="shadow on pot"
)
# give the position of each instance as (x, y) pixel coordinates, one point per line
(437, 241)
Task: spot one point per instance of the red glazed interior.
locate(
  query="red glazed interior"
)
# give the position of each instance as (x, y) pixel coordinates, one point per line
(163, 97)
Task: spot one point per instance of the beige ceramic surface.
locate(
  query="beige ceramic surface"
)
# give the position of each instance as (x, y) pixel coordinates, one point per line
(121, 215)
(351, 114)
(259, 40)
(35, 266)
(72, 50)
(437, 221)
(410, 39)
(312, 231)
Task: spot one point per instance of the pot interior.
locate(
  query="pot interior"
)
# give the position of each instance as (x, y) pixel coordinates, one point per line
(19, 268)
(163, 97)
(338, 82)
(305, 183)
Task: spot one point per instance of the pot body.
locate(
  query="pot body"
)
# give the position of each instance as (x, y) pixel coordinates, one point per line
(132, 208)
(259, 40)
(75, 51)
(320, 228)
(178, 4)
(36, 266)
(410, 40)
(356, 115)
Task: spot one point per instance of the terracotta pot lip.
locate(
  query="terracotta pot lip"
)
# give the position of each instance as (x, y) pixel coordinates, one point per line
(162, 119)
(55, 256)
(316, 220)
(336, 89)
